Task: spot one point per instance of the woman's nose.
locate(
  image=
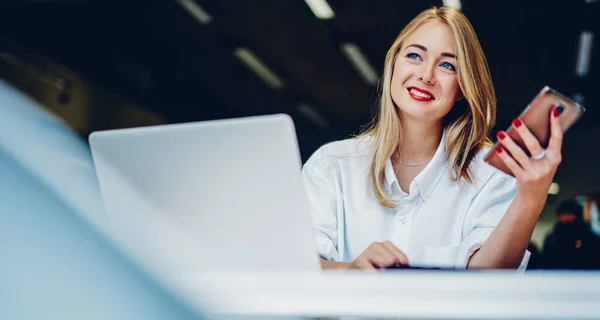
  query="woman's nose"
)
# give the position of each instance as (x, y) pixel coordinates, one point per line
(425, 79)
(427, 76)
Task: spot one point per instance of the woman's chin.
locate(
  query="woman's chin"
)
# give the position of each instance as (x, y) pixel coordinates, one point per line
(419, 114)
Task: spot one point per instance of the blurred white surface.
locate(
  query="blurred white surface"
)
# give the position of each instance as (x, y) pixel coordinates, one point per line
(410, 294)
(55, 262)
(52, 152)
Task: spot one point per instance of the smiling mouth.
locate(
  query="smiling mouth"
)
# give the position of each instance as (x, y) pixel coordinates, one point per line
(420, 94)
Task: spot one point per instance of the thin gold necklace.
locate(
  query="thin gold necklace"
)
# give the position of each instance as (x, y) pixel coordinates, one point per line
(414, 164)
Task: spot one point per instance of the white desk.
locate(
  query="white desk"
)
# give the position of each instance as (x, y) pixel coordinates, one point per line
(407, 294)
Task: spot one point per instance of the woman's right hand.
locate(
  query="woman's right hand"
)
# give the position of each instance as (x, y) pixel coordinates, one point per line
(380, 255)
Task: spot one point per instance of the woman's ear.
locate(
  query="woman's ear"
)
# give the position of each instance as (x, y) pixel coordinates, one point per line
(460, 96)
(458, 109)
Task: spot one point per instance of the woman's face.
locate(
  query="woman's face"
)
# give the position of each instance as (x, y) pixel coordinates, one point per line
(424, 81)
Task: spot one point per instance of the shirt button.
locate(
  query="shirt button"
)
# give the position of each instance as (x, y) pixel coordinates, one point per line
(403, 219)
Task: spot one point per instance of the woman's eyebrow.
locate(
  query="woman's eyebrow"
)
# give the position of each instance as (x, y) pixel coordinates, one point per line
(444, 54)
(417, 46)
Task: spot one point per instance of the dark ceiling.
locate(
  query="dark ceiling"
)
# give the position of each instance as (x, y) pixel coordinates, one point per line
(159, 56)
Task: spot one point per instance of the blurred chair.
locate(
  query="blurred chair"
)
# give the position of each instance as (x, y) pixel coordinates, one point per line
(55, 261)
(572, 244)
(591, 212)
(534, 259)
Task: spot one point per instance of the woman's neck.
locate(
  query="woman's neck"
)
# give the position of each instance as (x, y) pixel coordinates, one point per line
(419, 141)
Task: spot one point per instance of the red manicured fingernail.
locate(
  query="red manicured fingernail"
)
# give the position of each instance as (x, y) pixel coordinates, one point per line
(499, 149)
(501, 135)
(517, 122)
(556, 112)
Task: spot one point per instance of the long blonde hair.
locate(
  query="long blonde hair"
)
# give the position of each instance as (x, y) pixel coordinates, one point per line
(466, 128)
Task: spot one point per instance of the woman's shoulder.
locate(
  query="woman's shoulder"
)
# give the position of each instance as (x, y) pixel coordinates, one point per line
(354, 150)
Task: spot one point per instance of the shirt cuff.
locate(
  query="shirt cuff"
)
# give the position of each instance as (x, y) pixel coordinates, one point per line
(473, 243)
(326, 249)
(524, 262)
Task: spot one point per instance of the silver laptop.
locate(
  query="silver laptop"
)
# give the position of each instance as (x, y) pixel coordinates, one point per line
(212, 196)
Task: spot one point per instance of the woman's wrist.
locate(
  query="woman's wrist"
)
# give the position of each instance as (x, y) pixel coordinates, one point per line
(530, 203)
(326, 265)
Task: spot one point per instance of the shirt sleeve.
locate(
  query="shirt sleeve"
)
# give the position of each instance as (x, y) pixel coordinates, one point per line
(323, 201)
(486, 210)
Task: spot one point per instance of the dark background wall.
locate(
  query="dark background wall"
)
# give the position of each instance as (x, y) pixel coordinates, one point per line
(114, 64)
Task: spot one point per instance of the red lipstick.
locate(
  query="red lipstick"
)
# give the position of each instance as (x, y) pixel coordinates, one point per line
(420, 94)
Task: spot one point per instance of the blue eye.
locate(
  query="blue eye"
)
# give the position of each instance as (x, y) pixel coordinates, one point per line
(448, 66)
(413, 56)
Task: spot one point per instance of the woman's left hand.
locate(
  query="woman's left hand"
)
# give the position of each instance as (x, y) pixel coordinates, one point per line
(534, 174)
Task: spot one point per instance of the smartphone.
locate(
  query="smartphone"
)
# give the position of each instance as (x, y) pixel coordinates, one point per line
(536, 117)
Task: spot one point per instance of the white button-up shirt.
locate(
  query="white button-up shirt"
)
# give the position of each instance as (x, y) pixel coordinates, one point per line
(439, 223)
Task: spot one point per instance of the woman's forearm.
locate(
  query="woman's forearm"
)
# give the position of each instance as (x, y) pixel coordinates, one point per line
(506, 245)
(334, 265)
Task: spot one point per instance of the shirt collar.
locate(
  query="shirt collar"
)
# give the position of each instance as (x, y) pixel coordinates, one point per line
(390, 176)
(428, 179)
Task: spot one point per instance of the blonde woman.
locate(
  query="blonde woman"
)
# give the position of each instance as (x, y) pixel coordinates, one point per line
(414, 189)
